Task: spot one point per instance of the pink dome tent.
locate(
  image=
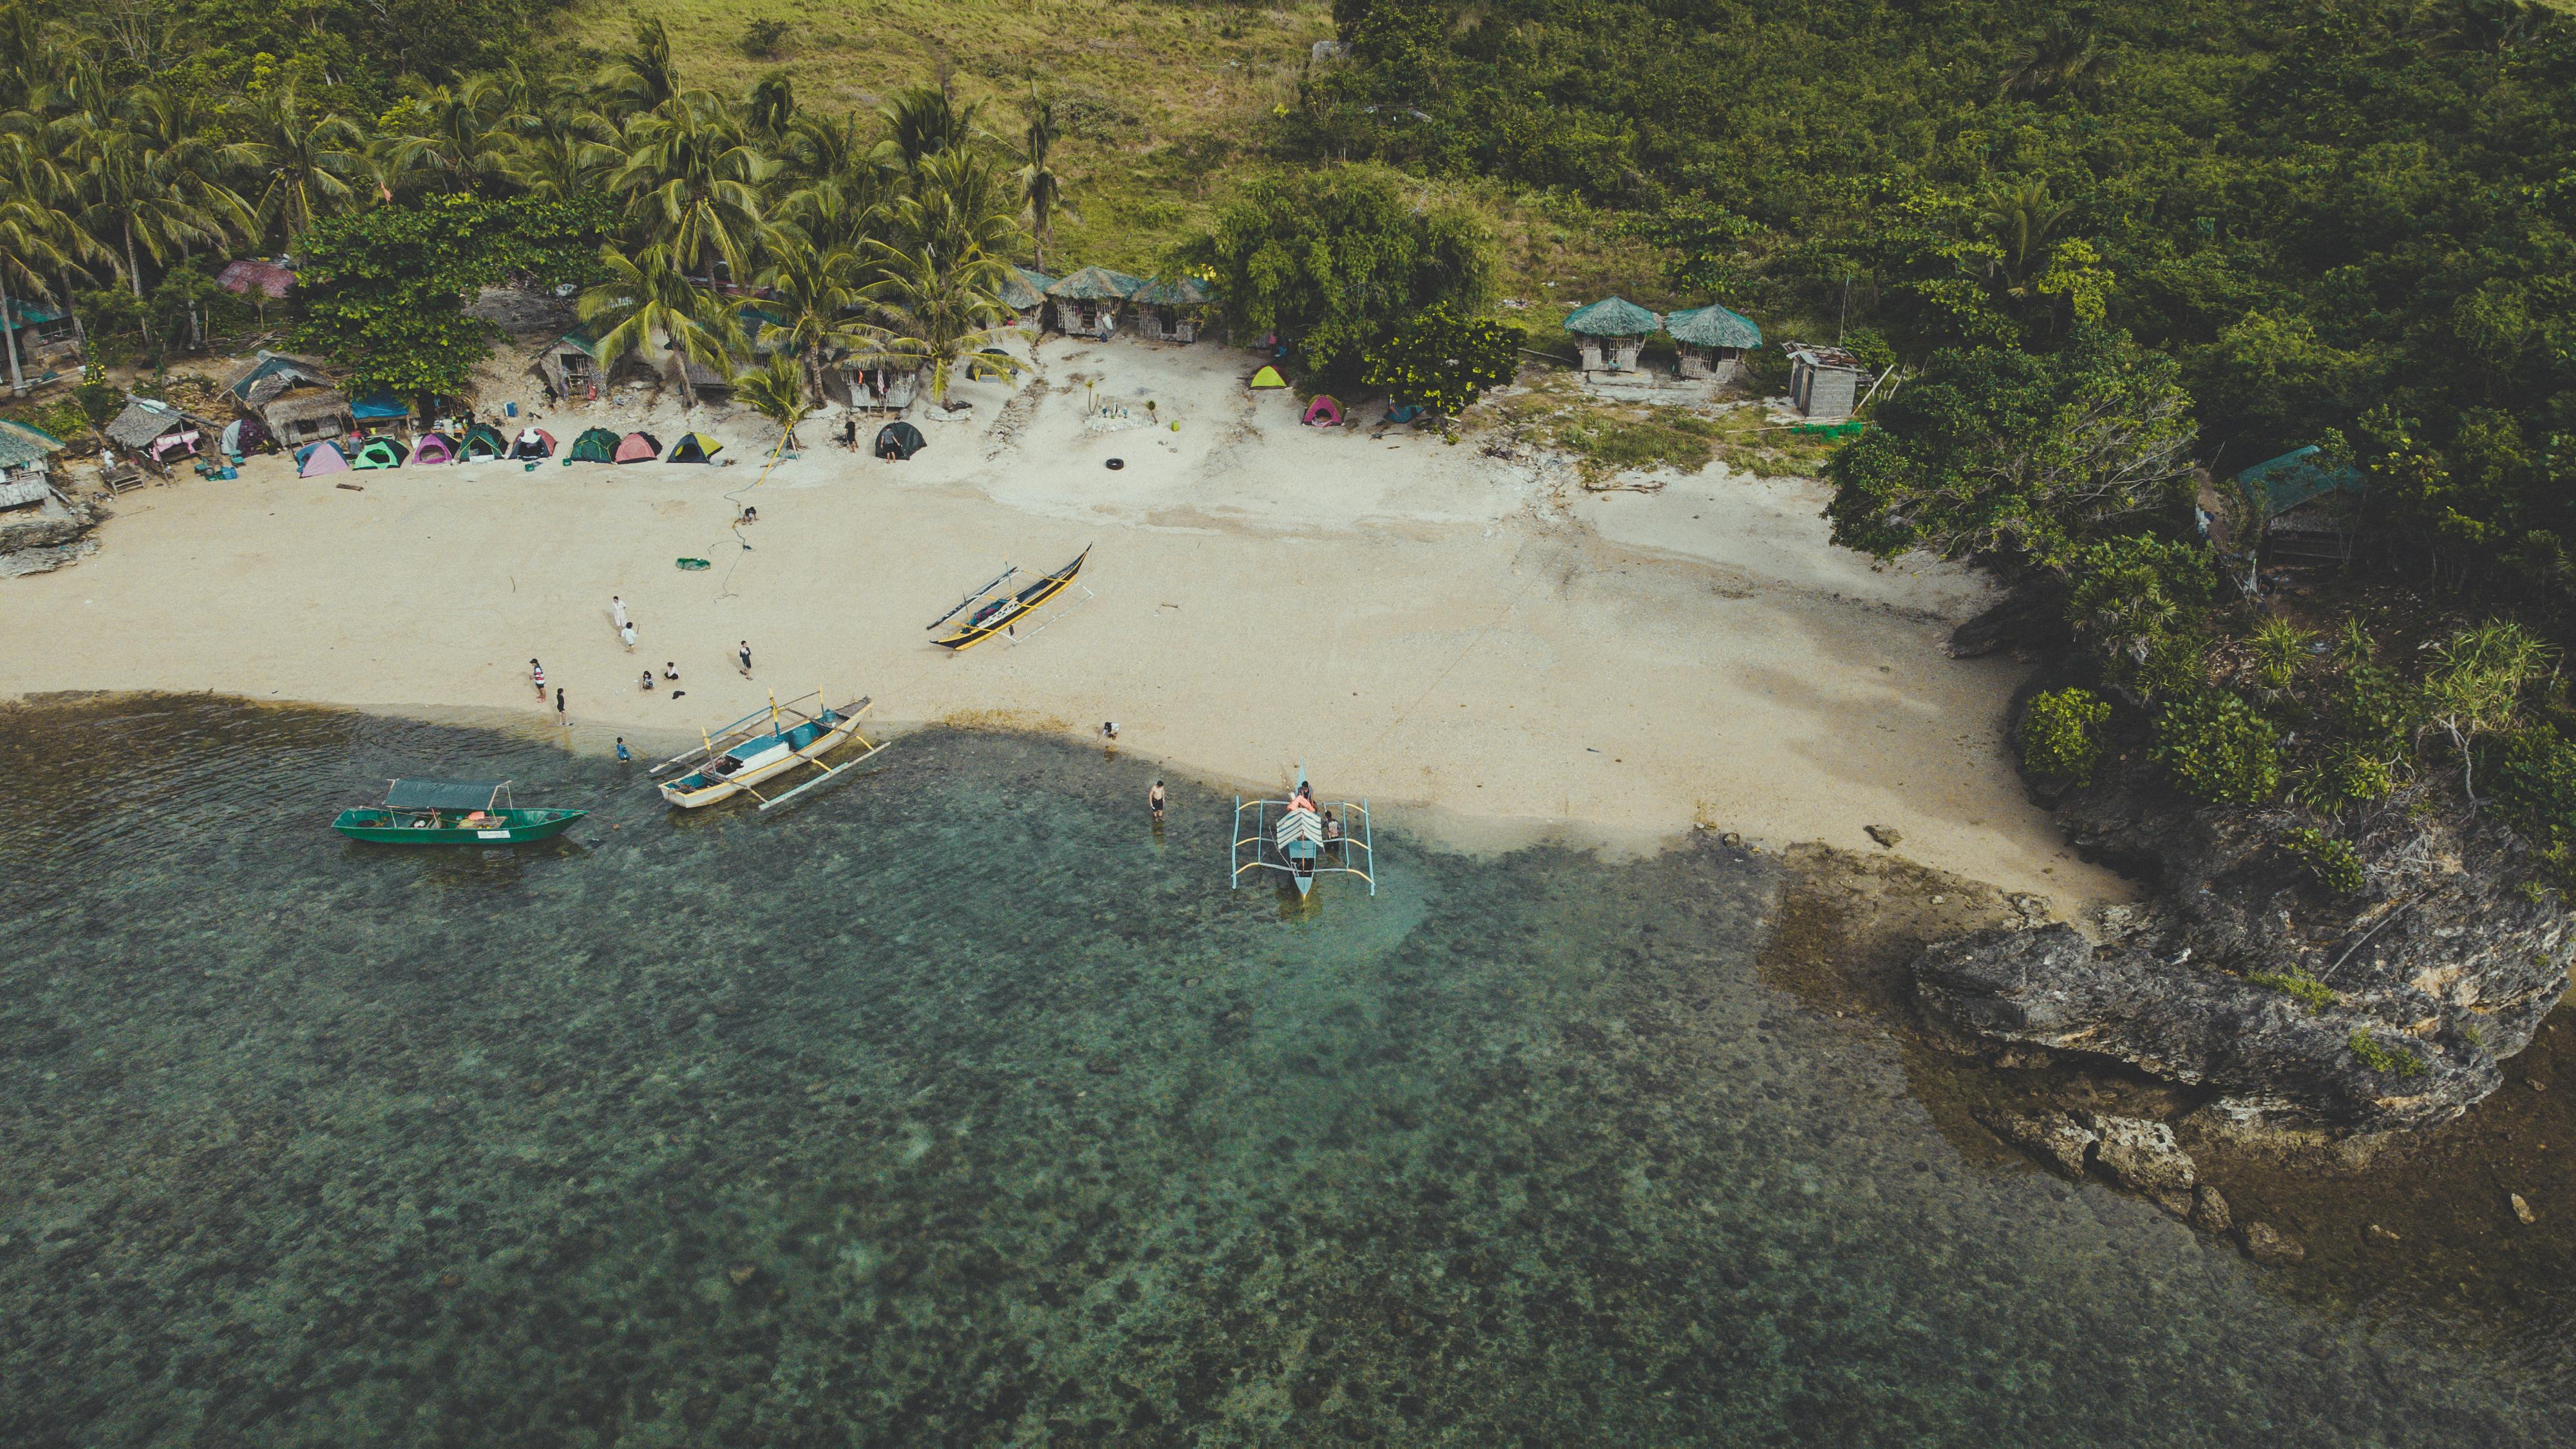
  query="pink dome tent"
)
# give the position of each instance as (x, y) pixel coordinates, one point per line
(433, 448)
(320, 458)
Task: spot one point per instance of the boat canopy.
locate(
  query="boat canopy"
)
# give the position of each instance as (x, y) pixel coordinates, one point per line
(445, 794)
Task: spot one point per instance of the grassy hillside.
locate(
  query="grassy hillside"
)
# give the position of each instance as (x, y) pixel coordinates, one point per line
(1165, 105)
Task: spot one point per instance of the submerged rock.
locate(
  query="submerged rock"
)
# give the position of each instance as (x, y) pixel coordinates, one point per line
(2209, 1210)
(2142, 1156)
(2269, 1247)
(1886, 835)
(2054, 1138)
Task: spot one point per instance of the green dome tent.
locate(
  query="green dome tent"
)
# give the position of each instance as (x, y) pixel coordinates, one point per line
(595, 445)
(481, 441)
(897, 441)
(381, 451)
(1268, 377)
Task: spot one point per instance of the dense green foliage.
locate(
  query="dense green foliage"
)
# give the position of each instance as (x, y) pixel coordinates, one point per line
(2330, 862)
(2138, 603)
(2218, 748)
(385, 288)
(2061, 735)
(1332, 259)
(2534, 779)
(1442, 362)
(2015, 456)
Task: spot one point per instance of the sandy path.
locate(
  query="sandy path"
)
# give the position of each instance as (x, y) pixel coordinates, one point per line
(1418, 623)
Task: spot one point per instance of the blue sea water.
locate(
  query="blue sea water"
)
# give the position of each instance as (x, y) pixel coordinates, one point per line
(955, 1106)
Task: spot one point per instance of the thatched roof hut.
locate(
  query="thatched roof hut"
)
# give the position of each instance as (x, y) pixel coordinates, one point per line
(1087, 301)
(1170, 309)
(1609, 333)
(1712, 340)
(307, 415)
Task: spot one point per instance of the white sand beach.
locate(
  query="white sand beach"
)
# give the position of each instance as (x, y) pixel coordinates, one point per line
(1420, 623)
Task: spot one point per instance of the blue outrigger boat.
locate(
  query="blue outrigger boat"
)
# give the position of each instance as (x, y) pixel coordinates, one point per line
(760, 747)
(1301, 839)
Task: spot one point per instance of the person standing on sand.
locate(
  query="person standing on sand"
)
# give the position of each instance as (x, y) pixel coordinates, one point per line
(623, 754)
(537, 672)
(626, 631)
(745, 653)
(1154, 801)
(617, 610)
(560, 717)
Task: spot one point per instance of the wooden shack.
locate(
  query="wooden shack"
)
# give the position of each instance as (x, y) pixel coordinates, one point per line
(1826, 382)
(1171, 311)
(1609, 334)
(2309, 506)
(1087, 301)
(1712, 341)
(48, 341)
(155, 431)
(1024, 292)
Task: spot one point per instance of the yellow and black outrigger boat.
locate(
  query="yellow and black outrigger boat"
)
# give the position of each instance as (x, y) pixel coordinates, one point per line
(991, 610)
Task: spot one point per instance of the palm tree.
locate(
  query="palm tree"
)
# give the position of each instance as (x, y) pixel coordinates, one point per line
(174, 130)
(2018, 223)
(460, 138)
(773, 390)
(960, 207)
(646, 296)
(643, 78)
(39, 242)
(811, 292)
(935, 310)
(694, 182)
(769, 111)
(1041, 190)
(125, 194)
(2060, 58)
(924, 121)
(307, 162)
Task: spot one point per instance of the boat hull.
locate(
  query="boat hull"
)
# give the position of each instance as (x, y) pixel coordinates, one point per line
(1034, 597)
(521, 827)
(761, 767)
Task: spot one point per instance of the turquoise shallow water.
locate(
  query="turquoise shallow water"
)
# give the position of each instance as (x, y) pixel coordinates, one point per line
(955, 1107)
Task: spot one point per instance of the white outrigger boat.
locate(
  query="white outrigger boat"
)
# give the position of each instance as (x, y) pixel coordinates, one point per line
(761, 746)
(1301, 839)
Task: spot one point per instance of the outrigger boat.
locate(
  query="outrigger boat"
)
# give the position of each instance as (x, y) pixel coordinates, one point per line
(761, 746)
(452, 812)
(996, 612)
(1292, 837)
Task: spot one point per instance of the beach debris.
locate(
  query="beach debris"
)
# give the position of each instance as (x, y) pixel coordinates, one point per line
(2521, 1208)
(1114, 464)
(1886, 835)
(2142, 1156)
(2209, 1209)
(352, 487)
(2270, 1247)
(2377, 1234)
(691, 565)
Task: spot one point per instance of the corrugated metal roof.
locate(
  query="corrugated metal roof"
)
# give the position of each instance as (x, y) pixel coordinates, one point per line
(1713, 326)
(285, 368)
(1611, 317)
(143, 420)
(24, 443)
(2299, 476)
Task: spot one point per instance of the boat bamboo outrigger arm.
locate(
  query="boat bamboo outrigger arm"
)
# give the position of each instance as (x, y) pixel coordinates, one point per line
(971, 600)
(1292, 842)
(868, 749)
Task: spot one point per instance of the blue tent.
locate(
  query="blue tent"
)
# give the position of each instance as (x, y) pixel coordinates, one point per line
(378, 407)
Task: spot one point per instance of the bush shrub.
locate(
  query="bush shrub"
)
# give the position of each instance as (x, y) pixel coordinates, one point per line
(2533, 779)
(2314, 994)
(2137, 602)
(1442, 362)
(2218, 749)
(2384, 1059)
(763, 37)
(2059, 739)
(2332, 863)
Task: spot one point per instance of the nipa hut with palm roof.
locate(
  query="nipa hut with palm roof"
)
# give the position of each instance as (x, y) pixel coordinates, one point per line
(1024, 292)
(1170, 311)
(155, 431)
(1610, 333)
(26, 463)
(1087, 302)
(1713, 341)
(293, 398)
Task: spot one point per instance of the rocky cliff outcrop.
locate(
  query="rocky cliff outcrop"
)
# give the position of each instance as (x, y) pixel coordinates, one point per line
(2299, 1006)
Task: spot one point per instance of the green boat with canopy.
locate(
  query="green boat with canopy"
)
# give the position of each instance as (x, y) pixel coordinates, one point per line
(452, 812)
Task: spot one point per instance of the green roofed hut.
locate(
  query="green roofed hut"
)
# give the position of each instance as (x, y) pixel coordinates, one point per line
(1171, 310)
(1024, 292)
(1610, 333)
(1713, 341)
(1087, 301)
(2309, 505)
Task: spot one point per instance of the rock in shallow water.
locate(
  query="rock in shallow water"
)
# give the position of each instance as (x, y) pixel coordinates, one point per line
(2053, 1137)
(2271, 1248)
(2142, 1156)
(2050, 987)
(2209, 1210)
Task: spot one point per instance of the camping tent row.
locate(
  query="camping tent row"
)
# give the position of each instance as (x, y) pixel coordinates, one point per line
(483, 443)
(1087, 302)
